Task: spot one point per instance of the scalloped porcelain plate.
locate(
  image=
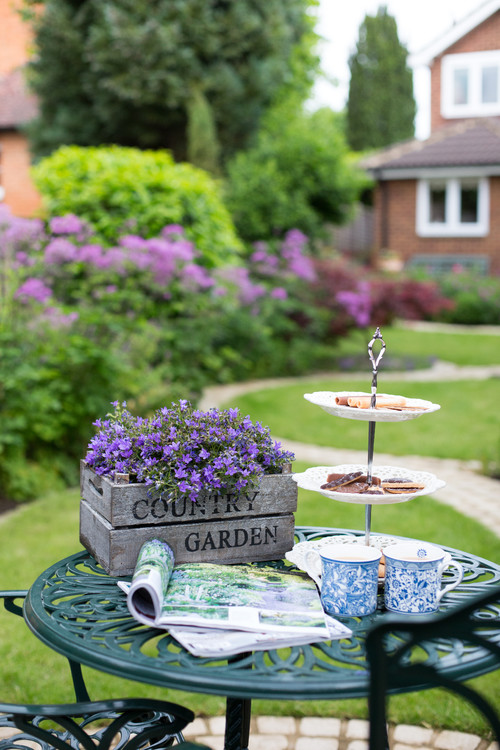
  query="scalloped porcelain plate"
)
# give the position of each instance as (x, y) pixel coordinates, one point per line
(326, 400)
(313, 478)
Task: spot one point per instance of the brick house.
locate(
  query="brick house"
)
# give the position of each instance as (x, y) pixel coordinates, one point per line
(17, 106)
(437, 202)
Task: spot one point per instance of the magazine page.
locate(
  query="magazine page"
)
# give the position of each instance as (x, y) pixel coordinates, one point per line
(234, 597)
(209, 642)
(243, 597)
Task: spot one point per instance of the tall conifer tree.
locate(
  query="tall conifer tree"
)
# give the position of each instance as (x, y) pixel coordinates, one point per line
(380, 107)
(124, 71)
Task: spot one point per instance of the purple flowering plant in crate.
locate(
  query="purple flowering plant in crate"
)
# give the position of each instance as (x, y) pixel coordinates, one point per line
(181, 451)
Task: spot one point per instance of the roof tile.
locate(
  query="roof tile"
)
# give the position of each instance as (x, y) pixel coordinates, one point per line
(474, 142)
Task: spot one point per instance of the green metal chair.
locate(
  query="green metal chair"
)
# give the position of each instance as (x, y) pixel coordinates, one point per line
(123, 724)
(128, 724)
(393, 648)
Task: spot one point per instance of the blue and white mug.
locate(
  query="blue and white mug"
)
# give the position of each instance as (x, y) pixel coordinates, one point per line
(413, 575)
(347, 576)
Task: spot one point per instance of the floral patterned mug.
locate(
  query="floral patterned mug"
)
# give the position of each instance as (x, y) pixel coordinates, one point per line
(347, 576)
(413, 573)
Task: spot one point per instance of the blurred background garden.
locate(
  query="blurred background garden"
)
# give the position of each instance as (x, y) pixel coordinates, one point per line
(187, 236)
(188, 224)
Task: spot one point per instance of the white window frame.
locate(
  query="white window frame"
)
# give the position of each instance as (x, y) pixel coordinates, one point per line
(473, 62)
(452, 226)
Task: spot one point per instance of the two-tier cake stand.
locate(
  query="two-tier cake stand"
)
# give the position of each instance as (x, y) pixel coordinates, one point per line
(332, 403)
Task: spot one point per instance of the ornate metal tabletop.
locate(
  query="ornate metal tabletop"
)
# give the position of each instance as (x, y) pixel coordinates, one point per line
(78, 610)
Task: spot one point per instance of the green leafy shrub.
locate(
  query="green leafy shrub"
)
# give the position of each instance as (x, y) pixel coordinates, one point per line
(53, 384)
(475, 299)
(297, 175)
(121, 190)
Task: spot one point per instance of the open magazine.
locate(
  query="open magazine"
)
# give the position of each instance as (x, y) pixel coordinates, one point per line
(217, 610)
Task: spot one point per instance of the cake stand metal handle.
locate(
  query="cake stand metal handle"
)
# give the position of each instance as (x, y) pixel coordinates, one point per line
(375, 360)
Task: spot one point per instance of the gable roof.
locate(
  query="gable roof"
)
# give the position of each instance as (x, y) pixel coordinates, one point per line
(469, 143)
(456, 32)
(17, 104)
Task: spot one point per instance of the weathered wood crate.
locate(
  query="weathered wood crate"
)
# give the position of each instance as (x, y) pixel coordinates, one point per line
(116, 519)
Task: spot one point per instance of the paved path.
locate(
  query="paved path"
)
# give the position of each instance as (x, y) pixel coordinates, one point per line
(466, 490)
(316, 733)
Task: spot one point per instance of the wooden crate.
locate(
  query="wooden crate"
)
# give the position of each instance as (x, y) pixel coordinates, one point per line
(116, 519)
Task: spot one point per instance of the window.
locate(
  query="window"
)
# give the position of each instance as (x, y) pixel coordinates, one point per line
(455, 207)
(489, 85)
(437, 200)
(470, 84)
(469, 203)
(460, 86)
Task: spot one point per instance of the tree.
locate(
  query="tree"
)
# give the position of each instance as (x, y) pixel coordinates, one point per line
(297, 174)
(380, 107)
(132, 72)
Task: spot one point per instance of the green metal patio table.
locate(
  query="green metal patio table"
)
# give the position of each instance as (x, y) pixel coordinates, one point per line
(75, 608)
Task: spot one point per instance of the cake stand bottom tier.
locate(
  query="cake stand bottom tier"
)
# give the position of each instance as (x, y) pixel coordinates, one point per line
(312, 479)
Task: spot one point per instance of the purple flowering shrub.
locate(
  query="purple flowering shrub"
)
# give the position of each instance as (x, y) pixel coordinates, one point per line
(181, 451)
(167, 311)
(353, 296)
(154, 278)
(143, 319)
(132, 278)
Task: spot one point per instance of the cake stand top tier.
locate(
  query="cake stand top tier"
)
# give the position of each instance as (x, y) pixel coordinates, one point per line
(414, 407)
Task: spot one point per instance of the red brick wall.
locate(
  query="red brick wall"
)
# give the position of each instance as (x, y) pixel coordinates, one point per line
(400, 203)
(15, 36)
(20, 193)
(15, 40)
(483, 38)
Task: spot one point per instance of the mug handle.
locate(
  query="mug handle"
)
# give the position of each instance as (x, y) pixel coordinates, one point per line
(313, 566)
(447, 562)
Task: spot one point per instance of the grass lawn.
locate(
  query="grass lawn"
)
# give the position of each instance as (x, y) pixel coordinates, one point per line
(461, 348)
(467, 427)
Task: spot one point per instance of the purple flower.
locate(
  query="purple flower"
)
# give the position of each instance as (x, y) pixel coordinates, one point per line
(114, 258)
(357, 303)
(17, 233)
(91, 254)
(23, 259)
(133, 242)
(67, 224)
(196, 277)
(279, 292)
(60, 251)
(33, 289)
(172, 229)
(215, 450)
(248, 292)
